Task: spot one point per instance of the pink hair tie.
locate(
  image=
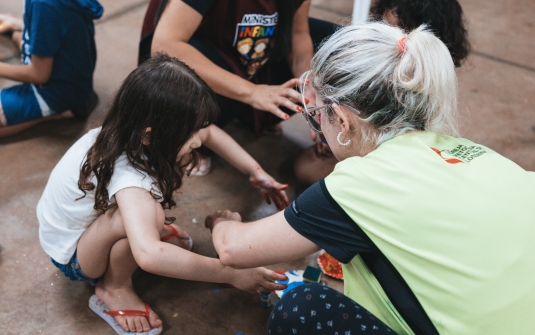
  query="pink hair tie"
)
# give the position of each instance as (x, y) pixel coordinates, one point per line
(401, 44)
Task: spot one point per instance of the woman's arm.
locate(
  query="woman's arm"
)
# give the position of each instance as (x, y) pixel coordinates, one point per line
(139, 212)
(268, 241)
(38, 72)
(225, 146)
(302, 47)
(177, 25)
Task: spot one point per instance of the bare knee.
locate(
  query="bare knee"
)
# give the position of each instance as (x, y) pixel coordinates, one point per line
(3, 121)
(66, 115)
(115, 221)
(115, 216)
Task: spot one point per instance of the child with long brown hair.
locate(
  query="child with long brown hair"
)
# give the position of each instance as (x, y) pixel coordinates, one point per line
(102, 212)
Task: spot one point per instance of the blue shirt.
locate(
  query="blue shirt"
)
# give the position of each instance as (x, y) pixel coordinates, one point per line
(64, 30)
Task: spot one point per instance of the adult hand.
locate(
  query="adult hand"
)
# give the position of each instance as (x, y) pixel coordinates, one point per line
(270, 189)
(220, 216)
(270, 97)
(257, 280)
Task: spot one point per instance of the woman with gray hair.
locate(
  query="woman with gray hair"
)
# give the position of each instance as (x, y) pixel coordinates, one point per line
(435, 232)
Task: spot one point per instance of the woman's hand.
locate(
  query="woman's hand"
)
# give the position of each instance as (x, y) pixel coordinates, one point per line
(271, 190)
(256, 280)
(270, 97)
(220, 216)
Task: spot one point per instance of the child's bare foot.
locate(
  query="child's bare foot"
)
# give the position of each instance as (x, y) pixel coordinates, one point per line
(178, 236)
(67, 115)
(124, 298)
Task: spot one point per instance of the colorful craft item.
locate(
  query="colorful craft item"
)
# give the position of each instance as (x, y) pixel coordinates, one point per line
(330, 265)
(265, 299)
(312, 274)
(295, 278)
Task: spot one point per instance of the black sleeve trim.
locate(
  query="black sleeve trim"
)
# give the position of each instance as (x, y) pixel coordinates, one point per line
(343, 214)
(200, 6)
(314, 236)
(313, 215)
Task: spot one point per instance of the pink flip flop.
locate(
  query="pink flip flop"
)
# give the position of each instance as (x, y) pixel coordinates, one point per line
(100, 309)
(174, 233)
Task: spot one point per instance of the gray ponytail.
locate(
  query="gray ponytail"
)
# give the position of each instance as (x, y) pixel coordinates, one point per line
(395, 92)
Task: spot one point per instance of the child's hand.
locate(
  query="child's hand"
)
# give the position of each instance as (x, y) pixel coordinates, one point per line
(270, 189)
(257, 280)
(9, 23)
(220, 216)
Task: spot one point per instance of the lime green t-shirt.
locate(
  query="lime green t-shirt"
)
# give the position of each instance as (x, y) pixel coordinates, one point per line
(456, 220)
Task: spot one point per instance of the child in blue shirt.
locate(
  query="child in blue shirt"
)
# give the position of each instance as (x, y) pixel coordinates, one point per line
(58, 57)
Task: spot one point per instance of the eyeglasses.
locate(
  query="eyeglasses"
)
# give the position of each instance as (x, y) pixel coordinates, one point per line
(313, 117)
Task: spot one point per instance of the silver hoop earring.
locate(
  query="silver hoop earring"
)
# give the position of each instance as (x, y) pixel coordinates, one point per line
(340, 142)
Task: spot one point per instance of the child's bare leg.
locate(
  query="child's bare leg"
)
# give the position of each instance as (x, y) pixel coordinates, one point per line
(117, 291)
(3, 120)
(103, 250)
(7, 131)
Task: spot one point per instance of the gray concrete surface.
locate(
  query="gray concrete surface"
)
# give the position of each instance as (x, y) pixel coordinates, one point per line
(497, 106)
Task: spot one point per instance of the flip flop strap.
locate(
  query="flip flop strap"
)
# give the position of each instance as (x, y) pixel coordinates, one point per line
(131, 312)
(173, 233)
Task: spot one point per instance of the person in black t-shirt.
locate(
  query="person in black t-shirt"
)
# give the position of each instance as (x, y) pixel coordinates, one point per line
(249, 52)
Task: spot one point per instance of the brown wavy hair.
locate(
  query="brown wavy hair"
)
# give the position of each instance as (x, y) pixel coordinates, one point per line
(444, 17)
(166, 95)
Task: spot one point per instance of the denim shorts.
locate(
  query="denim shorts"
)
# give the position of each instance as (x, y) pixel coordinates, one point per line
(73, 272)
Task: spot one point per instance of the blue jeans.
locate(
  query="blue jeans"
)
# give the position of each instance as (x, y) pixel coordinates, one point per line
(72, 271)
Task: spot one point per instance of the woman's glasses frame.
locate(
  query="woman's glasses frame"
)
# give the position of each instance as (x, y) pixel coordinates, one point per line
(312, 117)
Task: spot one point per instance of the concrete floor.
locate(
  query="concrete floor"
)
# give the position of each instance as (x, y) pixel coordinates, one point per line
(497, 107)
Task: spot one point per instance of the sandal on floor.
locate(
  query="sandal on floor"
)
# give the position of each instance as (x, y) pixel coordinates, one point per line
(100, 308)
(203, 169)
(174, 233)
